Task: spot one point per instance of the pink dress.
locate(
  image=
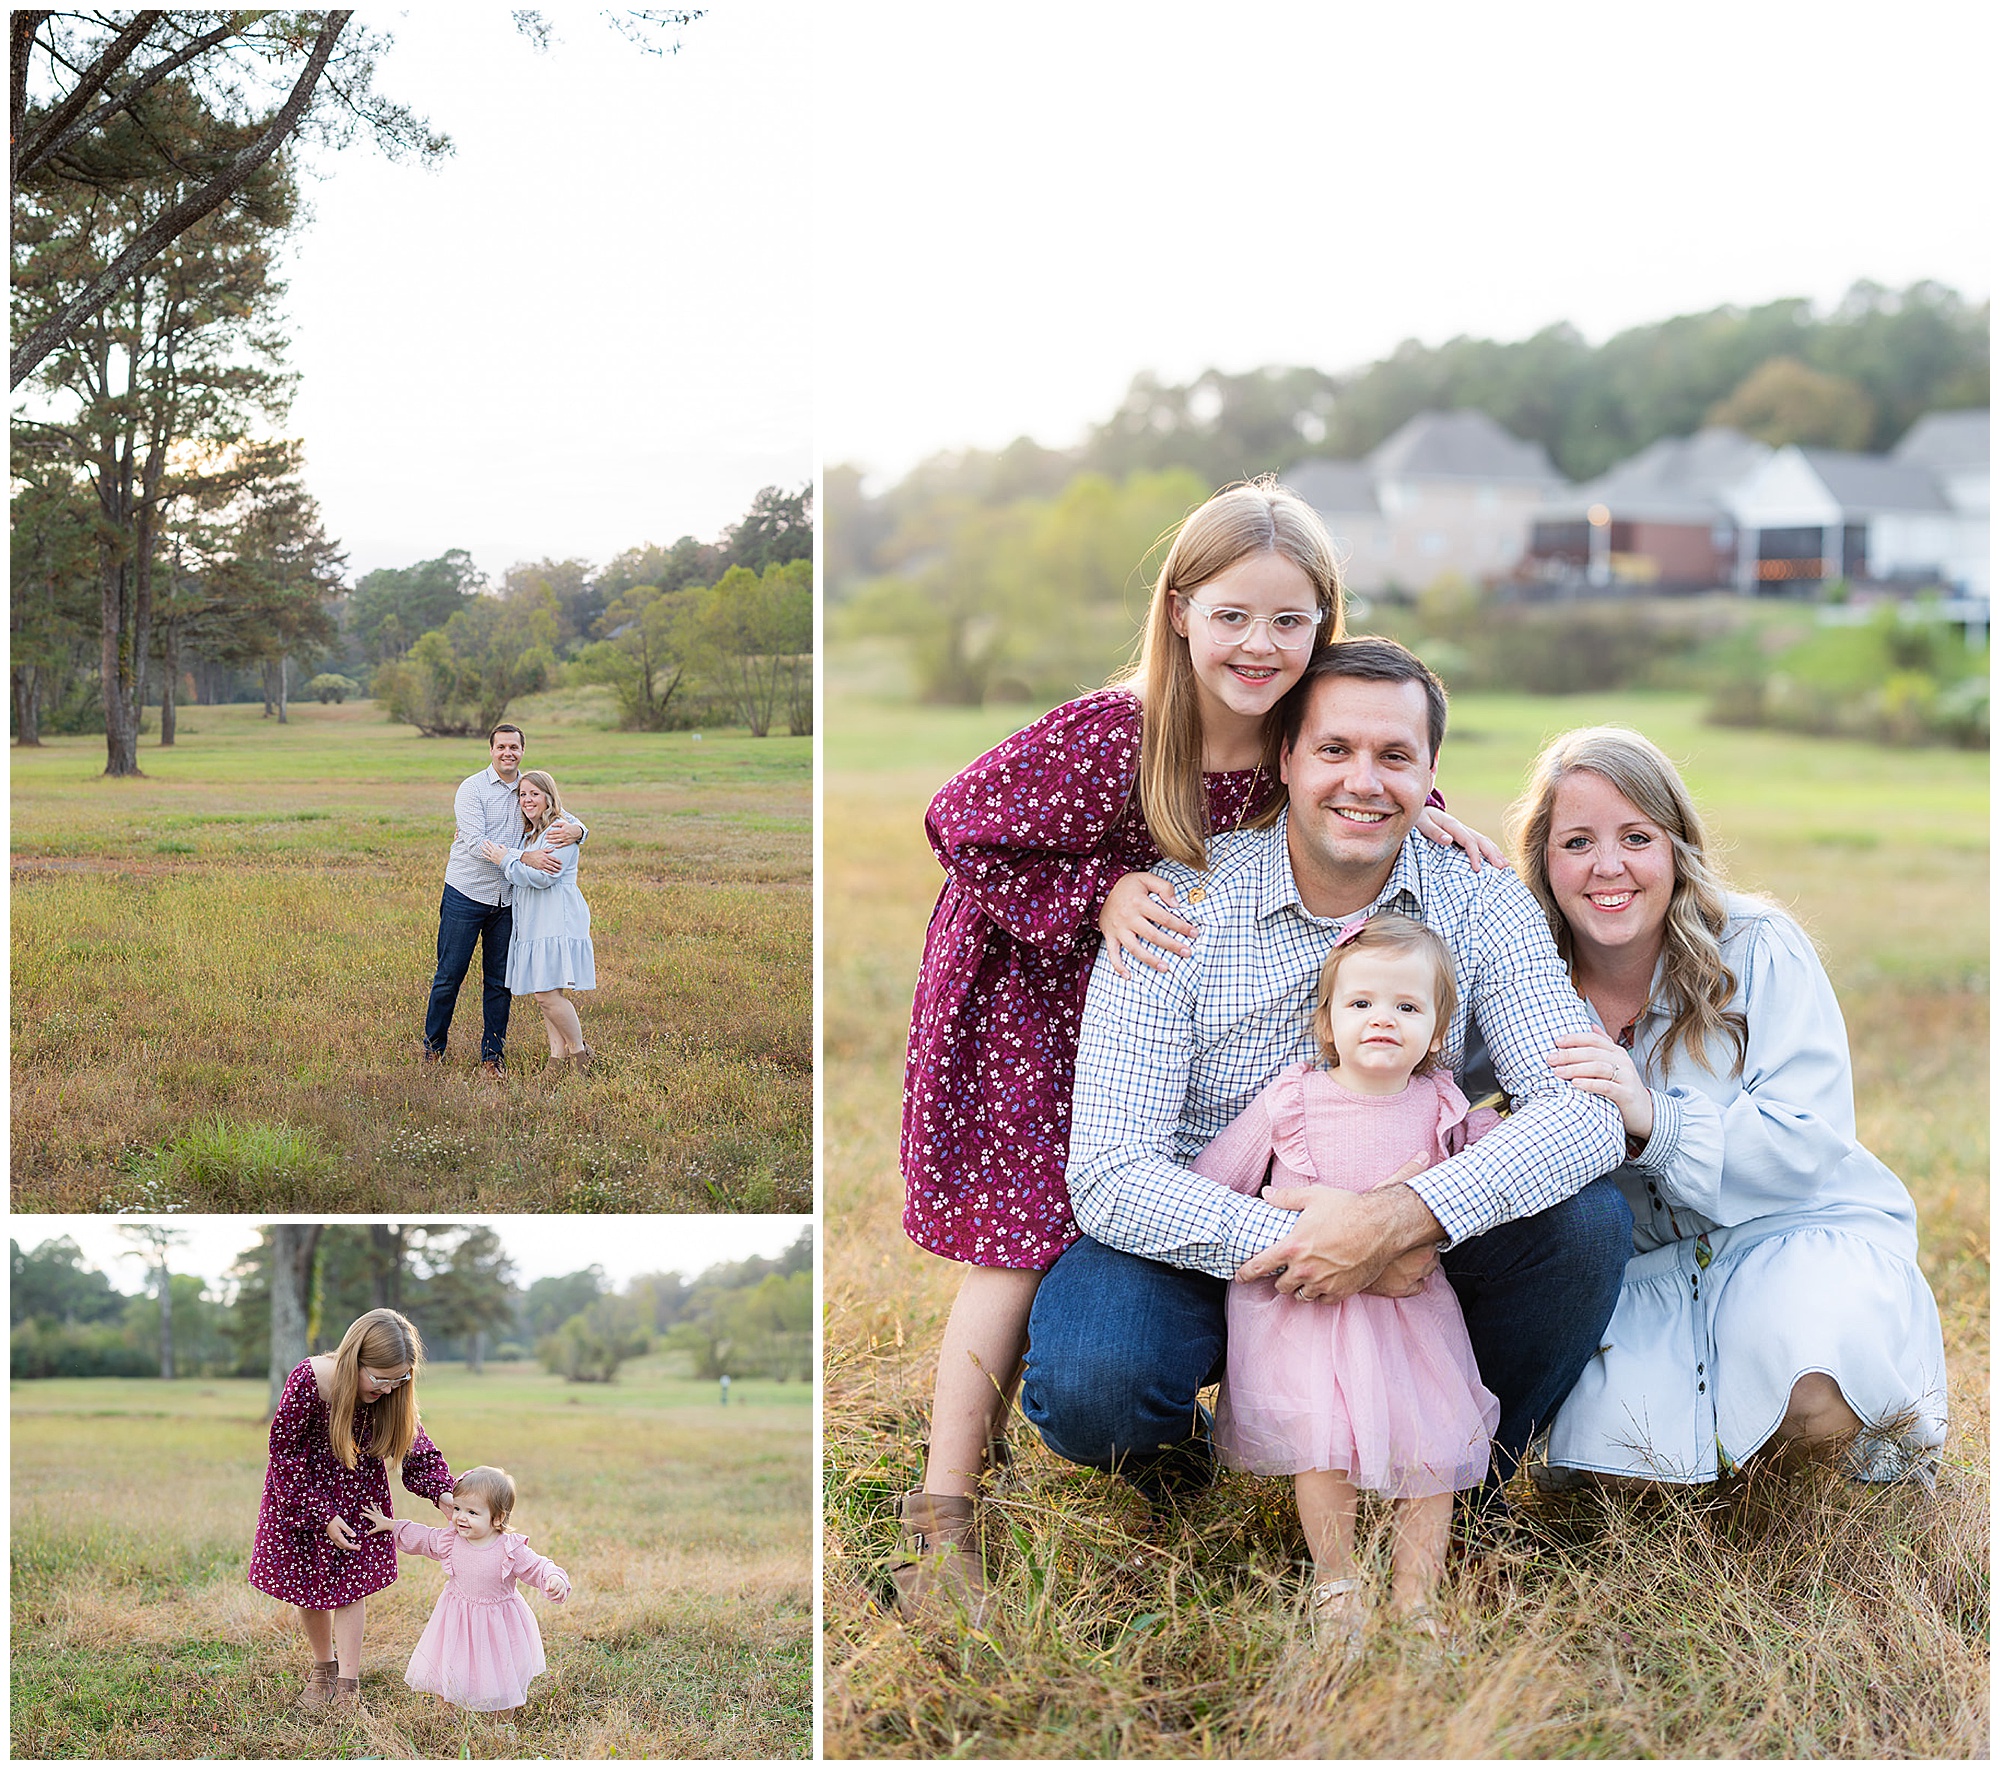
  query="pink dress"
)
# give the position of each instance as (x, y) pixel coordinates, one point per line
(481, 1646)
(1032, 837)
(1382, 1388)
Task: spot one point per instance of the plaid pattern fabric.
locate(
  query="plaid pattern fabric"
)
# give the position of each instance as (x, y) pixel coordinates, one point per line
(1167, 1059)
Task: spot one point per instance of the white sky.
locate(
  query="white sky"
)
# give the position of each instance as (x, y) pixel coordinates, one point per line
(541, 1247)
(588, 328)
(1021, 207)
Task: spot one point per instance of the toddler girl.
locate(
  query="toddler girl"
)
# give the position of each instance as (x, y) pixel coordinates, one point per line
(1369, 1392)
(344, 1417)
(481, 1647)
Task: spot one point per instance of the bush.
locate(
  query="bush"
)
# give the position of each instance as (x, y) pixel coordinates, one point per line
(329, 687)
(77, 1349)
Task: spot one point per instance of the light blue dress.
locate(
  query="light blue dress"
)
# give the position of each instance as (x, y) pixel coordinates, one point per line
(550, 947)
(1767, 1243)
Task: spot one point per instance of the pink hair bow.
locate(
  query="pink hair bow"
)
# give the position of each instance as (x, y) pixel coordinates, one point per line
(1353, 928)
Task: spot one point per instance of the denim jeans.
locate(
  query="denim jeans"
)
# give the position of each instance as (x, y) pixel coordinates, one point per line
(1118, 1345)
(462, 922)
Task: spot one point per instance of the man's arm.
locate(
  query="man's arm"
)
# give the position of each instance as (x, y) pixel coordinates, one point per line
(1558, 1138)
(468, 811)
(1133, 1066)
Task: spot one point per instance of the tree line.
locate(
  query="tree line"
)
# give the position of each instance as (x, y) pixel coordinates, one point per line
(294, 1292)
(983, 560)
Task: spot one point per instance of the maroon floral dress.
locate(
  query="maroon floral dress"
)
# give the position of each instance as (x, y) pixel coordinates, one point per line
(1031, 837)
(306, 1485)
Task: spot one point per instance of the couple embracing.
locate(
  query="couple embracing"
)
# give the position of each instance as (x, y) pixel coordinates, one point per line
(510, 889)
(1205, 1002)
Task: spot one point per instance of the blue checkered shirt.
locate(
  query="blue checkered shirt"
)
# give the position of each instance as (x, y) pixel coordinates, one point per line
(1167, 1059)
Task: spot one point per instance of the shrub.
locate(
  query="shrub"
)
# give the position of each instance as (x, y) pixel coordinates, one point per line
(329, 687)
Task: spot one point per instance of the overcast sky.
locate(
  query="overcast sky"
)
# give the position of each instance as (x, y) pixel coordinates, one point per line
(541, 1247)
(1021, 207)
(586, 329)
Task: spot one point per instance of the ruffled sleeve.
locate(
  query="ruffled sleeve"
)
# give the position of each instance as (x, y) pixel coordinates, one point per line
(1241, 1155)
(295, 1434)
(1023, 831)
(1460, 1124)
(433, 1541)
(425, 1472)
(524, 1565)
(1790, 1124)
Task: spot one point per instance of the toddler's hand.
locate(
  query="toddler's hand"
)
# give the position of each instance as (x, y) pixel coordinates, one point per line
(558, 1589)
(378, 1520)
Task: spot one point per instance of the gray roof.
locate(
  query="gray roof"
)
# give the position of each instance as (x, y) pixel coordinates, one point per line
(1460, 445)
(1864, 485)
(1344, 488)
(1676, 479)
(1949, 442)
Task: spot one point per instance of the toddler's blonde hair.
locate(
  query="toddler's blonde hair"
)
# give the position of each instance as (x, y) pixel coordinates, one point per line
(1388, 933)
(494, 1486)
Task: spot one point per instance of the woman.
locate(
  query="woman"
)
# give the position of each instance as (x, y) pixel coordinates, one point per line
(1773, 1302)
(549, 950)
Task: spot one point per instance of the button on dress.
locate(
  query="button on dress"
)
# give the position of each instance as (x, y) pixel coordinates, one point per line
(306, 1485)
(1032, 837)
(482, 1646)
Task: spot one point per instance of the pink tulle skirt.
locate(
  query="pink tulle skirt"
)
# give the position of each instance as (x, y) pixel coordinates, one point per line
(479, 1653)
(1382, 1388)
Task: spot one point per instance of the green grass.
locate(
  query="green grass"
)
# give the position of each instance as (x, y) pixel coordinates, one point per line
(686, 1527)
(1775, 1621)
(220, 974)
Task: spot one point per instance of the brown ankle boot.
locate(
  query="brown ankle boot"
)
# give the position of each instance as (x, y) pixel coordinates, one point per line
(940, 1573)
(346, 1697)
(319, 1685)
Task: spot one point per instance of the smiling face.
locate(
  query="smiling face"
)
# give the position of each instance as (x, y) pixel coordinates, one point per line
(471, 1516)
(533, 801)
(1358, 775)
(374, 1384)
(1381, 1018)
(1611, 870)
(507, 748)
(1239, 678)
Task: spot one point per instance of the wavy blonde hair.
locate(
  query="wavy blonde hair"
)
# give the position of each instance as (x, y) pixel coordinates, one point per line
(1255, 516)
(381, 1340)
(1389, 932)
(1698, 984)
(544, 783)
(494, 1486)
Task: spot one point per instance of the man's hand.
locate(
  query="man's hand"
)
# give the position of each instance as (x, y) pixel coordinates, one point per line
(560, 833)
(540, 859)
(1404, 1276)
(1343, 1242)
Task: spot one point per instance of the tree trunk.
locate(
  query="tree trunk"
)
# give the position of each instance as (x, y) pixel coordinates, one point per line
(475, 1354)
(385, 1243)
(166, 1320)
(170, 677)
(115, 683)
(264, 682)
(28, 705)
(293, 1246)
(284, 685)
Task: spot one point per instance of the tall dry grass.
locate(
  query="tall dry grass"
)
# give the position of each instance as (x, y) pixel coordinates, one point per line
(250, 933)
(1766, 1618)
(684, 1526)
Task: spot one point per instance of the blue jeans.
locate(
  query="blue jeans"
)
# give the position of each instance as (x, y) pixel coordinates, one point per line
(1118, 1345)
(462, 922)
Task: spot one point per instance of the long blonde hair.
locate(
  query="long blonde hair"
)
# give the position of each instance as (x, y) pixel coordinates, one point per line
(1256, 516)
(545, 784)
(1698, 984)
(381, 1340)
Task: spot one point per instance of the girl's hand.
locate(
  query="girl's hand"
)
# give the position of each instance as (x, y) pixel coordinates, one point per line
(340, 1533)
(1595, 1062)
(378, 1520)
(494, 852)
(1130, 919)
(558, 1588)
(1445, 830)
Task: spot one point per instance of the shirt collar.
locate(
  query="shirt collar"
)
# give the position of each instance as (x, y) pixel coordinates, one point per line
(493, 775)
(1279, 890)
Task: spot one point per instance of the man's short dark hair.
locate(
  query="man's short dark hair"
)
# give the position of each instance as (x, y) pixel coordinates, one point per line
(498, 729)
(1367, 660)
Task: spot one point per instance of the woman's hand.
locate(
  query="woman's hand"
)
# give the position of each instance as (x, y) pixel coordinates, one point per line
(1445, 830)
(1595, 1062)
(494, 852)
(378, 1520)
(1130, 919)
(340, 1533)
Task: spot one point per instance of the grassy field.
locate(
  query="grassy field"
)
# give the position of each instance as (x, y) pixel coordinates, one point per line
(220, 974)
(685, 1528)
(1760, 1622)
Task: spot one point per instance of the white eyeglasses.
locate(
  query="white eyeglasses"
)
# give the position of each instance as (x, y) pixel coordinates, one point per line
(1290, 629)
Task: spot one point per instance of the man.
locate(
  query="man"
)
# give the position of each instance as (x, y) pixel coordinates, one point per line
(1128, 1323)
(477, 904)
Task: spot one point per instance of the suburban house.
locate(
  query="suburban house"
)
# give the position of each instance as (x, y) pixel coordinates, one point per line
(1957, 449)
(1660, 520)
(1809, 516)
(1450, 492)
